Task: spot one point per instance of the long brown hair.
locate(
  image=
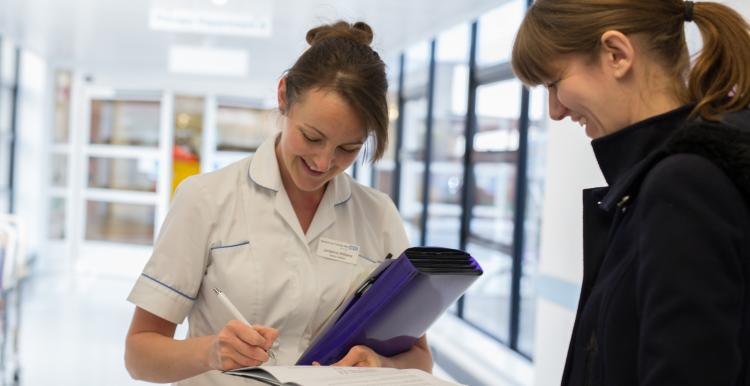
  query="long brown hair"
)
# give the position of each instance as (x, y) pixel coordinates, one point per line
(718, 82)
(340, 59)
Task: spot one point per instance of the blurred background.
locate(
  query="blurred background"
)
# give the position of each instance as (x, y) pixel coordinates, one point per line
(105, 106)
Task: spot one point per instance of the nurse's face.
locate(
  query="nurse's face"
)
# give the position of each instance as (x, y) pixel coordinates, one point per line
(322, 137)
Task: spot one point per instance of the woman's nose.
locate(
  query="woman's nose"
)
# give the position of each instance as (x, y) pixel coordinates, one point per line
(324, 160)
(557, 110)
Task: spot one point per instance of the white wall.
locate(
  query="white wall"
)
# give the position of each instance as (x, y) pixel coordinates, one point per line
(571, 166)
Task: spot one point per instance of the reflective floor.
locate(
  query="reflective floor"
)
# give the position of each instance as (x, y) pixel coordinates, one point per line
(72, 330)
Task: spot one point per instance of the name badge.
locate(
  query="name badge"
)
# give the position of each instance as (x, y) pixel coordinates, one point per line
(338, 250)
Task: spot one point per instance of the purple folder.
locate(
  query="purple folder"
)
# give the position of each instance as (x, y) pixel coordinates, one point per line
(396, 304)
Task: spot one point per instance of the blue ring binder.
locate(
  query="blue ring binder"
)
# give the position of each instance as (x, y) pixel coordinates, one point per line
(396, 304)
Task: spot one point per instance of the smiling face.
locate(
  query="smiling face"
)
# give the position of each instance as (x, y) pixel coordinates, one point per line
(589, 95)
(321, 138)
(622, 85)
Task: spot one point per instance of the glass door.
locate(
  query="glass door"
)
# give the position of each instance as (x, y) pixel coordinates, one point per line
(241, 126)
(123, 174)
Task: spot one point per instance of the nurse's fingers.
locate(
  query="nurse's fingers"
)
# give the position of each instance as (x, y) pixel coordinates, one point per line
(234, 360)
(225, 356)
(269, 333)
(247, 355)
(230, 346)
(247, 334)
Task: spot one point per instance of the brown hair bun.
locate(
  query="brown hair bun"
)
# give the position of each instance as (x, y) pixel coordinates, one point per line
(359, 32)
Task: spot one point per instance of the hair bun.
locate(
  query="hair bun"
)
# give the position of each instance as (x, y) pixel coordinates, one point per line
(359, 32)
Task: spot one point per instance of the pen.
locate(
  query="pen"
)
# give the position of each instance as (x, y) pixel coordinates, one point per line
(235, 312)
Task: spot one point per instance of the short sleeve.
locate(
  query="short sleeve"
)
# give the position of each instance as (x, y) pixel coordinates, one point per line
(170, 280)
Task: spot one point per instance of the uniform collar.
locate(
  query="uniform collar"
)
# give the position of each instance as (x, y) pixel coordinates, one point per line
(264, 171)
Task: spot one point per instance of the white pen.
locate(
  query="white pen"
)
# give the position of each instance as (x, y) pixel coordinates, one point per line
(235, 312)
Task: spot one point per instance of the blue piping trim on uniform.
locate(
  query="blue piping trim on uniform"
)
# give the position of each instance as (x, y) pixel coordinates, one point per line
(157, 281)
(230, 245)
(345, 201)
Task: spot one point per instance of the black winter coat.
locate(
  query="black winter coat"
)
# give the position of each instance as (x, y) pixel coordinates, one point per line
(665, 298)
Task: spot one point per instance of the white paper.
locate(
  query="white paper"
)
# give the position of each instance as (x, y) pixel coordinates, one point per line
(341, 376)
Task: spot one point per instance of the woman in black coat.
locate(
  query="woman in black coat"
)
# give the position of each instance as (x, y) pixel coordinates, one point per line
(665, 297)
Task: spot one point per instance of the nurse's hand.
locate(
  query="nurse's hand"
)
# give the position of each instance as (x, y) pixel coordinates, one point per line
(239, 345)
(363, 356)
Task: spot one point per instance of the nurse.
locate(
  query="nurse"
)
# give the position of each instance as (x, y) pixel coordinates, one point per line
(285, 234)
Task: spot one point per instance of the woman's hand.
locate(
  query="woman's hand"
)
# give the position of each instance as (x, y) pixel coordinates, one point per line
(363, 356)
(239, 345)
(418, 357)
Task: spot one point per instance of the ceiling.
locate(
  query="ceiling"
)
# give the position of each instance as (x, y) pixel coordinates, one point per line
(110, 40)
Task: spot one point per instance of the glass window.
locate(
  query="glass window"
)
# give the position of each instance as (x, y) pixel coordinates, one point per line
(414, 116)
(416, 66)
(120, 223)
(495, 148)
(383, 175)
(62, 107)
(188, 136)
(56, 218)
(494, 198)
(8, 62)
(383, 168)
(497, 30)
(487, 301)
(448, 138)
(243, 128)
(495, 155)
(537, 140)
(123, 174)
(59, 170)
(4, 201)
(6, 109)
(411, 185)
(527, 317)
(119, 122)
(5, 145)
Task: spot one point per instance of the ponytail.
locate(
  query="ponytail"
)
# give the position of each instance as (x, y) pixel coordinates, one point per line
(719, 81)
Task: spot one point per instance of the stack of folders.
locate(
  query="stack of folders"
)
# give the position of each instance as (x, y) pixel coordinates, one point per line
(396, 304)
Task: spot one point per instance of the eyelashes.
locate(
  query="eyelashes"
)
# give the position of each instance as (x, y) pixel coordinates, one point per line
(308, 139)
(318, 140)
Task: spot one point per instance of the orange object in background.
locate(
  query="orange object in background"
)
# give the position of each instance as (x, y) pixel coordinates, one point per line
(185, 163)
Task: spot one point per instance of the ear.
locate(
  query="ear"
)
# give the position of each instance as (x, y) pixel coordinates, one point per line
(281, 95)
(618, 53)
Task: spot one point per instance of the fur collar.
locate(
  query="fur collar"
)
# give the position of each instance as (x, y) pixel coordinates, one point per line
(725, 143)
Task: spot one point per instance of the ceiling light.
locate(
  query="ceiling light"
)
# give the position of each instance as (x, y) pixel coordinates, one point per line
(208, 61)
